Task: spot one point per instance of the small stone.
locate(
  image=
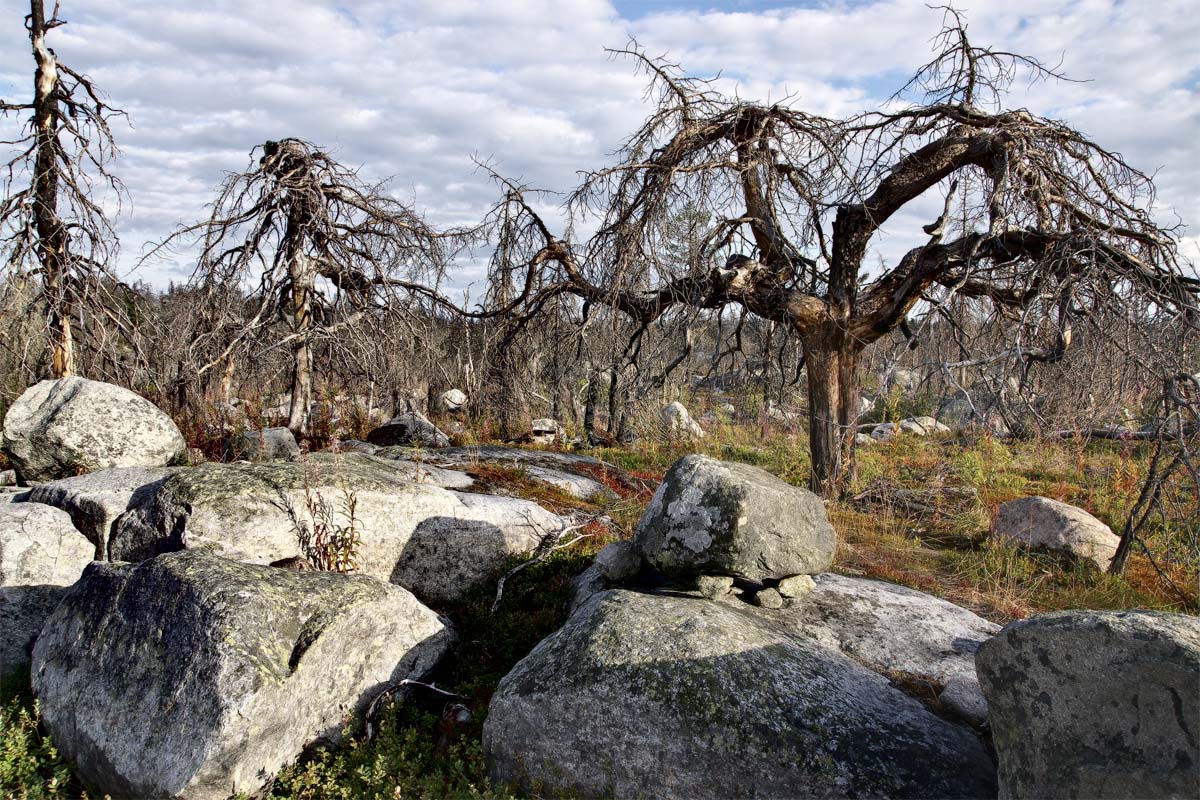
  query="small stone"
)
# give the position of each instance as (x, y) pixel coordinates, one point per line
(961, 695)
(797, 586)
(884, 432)
(678, 422)
(768, 598)
(451, 401)
(714, 586)
(619, 561)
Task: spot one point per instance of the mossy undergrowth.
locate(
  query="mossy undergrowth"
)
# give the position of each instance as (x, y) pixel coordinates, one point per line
(30, 766)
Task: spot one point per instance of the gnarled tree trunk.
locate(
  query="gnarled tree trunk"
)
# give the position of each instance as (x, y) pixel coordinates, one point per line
(832, 364)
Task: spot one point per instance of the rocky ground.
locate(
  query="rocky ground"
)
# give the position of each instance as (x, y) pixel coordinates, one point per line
(189, 631)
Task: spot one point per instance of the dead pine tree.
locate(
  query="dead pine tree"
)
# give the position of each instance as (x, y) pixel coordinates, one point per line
(1035, 218)
(322, 253)
(52, 225)
(1174, 470)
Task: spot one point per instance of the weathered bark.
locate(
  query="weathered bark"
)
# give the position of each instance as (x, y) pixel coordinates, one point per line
(52, 234)
(227, 381)
(510, 403)
(302, 388)
(589, 409)
(832, 365)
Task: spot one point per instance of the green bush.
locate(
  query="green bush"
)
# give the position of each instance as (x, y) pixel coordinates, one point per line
(30, 766)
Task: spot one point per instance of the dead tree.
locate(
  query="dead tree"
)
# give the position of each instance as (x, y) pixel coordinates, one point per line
(323, 250)
(1176, 433)
(52, 225)
(1036, 218)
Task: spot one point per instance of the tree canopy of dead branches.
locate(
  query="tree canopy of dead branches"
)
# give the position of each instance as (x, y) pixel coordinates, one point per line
(54, 232)
(319, 250)
(1036, 220)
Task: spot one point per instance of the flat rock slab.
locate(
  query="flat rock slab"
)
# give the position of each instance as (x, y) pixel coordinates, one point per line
(422, 470)
(567, 471)
(40, 545)
(1096, 704)
(550, 459)
(60, 428)
(894, 629)
(95, 500)
(433, 541)
(681, 697)
(192, 676)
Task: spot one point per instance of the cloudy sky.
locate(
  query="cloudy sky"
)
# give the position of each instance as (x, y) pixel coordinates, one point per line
(415, 90)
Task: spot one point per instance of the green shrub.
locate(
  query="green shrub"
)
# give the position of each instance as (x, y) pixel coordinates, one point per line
(30, 766)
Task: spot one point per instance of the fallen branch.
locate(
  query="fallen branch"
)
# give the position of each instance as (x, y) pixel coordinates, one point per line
(391, 690)
(550, 542)
(920, 501)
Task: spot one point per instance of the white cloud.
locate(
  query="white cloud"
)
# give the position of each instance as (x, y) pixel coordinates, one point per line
(414, 90)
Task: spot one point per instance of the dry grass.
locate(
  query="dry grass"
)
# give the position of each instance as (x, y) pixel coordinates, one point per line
(942, 549)
(946, 550)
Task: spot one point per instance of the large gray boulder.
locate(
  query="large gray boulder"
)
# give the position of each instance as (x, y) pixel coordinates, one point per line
(430, 540)
(1096, 704)
(410, 428)
(69, 426)
(712, 517)
(898, 632)
(680, 697)
(95, 500)
(268, 444)
(197, 677)
(39, 545)
(1043, 523)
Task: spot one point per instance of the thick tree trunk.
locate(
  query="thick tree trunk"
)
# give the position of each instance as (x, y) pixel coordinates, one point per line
(508, 378)
(62, 342)
(832, 366)
(589, 409)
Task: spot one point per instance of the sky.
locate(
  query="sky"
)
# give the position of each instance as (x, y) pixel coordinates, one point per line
(414, 92)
